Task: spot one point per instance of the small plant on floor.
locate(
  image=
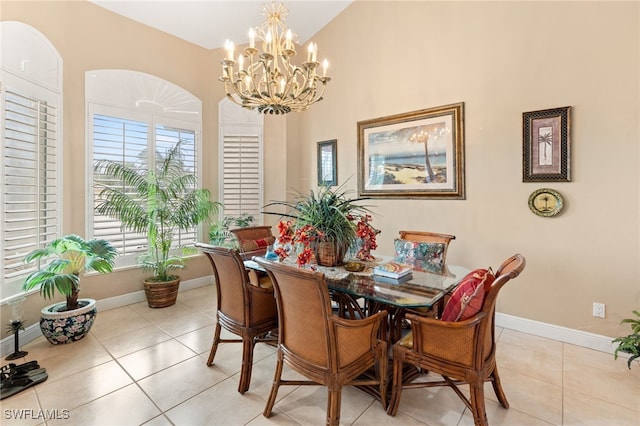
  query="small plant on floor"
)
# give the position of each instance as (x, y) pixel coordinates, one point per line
(630, 344)
(71, 257)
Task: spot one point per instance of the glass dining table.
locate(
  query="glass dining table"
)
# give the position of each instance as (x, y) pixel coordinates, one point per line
(358, 294)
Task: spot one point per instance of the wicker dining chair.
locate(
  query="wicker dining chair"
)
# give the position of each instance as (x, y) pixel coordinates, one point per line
(328, 350)
(243, 309)
(253, 240)
(461, 352)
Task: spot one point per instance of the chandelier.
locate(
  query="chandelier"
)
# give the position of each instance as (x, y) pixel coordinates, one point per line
(268, 80)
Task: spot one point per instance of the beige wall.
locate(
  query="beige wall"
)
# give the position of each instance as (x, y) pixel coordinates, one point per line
(499, 58)
(502, 59)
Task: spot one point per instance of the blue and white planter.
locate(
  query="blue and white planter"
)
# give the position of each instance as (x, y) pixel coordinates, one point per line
(68, 326)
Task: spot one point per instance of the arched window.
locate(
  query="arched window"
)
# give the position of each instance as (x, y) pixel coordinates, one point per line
(30, 149)
(131, 116)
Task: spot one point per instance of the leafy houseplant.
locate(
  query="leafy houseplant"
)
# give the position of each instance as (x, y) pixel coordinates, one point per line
(330, 215)
(72, 256)
(160, 203)
(629, 344)
(219, 234)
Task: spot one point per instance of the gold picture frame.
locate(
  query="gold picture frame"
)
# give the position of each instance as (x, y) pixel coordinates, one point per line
(418, 154)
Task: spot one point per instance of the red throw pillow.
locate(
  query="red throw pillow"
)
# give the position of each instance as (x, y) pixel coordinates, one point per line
(468, 297)
(251, 245)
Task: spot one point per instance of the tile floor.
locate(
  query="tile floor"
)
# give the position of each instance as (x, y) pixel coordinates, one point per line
(145, 366)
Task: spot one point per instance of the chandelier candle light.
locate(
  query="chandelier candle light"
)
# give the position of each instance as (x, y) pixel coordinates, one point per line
(268, 80)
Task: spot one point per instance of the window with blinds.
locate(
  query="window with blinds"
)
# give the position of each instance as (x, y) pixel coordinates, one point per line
(241, 169)
(140, 145)
(30, 179)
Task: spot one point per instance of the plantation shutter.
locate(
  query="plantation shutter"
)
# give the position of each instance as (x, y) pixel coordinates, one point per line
(242, 174)
(30, 183)
(166, 138)
(123, 141)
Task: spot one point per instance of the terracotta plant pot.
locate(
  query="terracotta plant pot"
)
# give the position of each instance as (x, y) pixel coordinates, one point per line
(67, 326)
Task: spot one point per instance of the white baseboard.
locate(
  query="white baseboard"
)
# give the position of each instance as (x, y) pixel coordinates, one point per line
(32, 332)
(563, 334)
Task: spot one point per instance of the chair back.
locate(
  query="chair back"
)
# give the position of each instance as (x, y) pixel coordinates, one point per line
(426, 237)
(429, 237)
(510, 269)
(304, 306)
(230, 279)
(253, 240)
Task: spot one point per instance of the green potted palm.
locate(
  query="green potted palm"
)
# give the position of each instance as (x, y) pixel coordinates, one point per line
(69, 257)
(160, 203)
(331, 214)
(629, 344)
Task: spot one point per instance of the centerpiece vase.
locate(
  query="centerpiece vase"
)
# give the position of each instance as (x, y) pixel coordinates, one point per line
(330, 253)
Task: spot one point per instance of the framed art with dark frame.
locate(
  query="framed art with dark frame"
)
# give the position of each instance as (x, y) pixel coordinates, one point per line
(328, 163)
(417, 154)
(546, 145)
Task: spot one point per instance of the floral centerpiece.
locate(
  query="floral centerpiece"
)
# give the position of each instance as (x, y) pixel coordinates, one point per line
(366, 234)
(323, 225)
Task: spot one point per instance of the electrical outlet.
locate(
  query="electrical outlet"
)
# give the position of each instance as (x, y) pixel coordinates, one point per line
(598, 310)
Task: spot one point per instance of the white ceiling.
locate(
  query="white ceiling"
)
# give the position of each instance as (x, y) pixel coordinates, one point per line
(208, 23)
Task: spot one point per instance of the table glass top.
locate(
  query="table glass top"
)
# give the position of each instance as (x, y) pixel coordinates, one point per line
(423, 289)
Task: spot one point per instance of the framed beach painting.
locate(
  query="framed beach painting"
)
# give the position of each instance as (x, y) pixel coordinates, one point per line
(327, 163)
(417, 154)
(546, 145)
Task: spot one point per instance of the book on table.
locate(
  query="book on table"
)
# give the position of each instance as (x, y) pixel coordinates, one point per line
(388, 280)
(392, 269)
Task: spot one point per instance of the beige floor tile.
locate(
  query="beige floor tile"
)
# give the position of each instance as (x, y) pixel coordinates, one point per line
(161, 420)
(499, 416)
(262, 378)
(526, 354)
(126, 406)
(200, 299)
(375, 415)
(187, 323)
(218, 405)
(599, 375)
(114, 322)
(277, 418)
(134, 340)
(185, 380)
(161, 314)
(585, 410)
(80, 388)
(199, 340)
(308, 404)
(155, 358)
(67, 359)
(433, 406)
(529, 395)
(21, 409)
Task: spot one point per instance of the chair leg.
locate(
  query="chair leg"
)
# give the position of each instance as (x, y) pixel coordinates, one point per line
(274, 388)
(396, 385)
(247, 363)
(383, 377)
(333, 406)
(477, 404)
(497, 388)
(214, 346)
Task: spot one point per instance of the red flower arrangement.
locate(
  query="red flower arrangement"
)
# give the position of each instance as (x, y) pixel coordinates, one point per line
(306, 235)
(288, 236)
(367, 234)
